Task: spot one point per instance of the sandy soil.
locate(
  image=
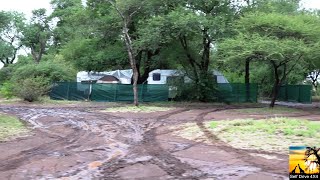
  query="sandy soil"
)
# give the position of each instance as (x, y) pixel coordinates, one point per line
(83, 143)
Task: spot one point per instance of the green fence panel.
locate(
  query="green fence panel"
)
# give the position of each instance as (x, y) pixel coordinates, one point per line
(108, 92)
(295, 93)
(70, 91)
(237, 92)
(228, 92)
(104, 92)
(152, 93)
(305, 94)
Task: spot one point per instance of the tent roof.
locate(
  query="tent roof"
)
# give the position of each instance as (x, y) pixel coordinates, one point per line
(108, 78)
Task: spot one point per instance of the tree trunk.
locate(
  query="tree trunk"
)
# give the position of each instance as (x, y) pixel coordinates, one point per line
(133, 63)
(247, 79)
(276, 85)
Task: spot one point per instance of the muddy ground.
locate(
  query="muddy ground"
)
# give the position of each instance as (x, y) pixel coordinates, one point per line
(84, 143)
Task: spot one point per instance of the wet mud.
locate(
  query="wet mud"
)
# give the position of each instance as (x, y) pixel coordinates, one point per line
(75, 143)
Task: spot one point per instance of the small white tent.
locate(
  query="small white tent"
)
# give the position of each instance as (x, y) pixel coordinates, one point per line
(124, 76)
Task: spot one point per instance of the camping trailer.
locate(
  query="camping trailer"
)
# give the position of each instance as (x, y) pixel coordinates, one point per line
(159, 76)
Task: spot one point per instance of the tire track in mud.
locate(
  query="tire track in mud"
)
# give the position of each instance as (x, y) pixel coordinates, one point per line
(124, 142)
(152, 153)
(85, 128)
(241, 154)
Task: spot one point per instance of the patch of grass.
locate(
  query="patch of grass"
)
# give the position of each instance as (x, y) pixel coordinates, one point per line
(274, 135)
(279, 126)
(267, 110)
(315, 98)
(11, 127)
(141, 108)
(213, 124)
(9, 101)
(47, 100)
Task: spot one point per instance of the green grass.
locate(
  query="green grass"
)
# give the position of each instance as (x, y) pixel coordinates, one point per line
(279, 126)
(141, 108)
(273, 135)
(11, 127)
(315, 98)
(267, 110)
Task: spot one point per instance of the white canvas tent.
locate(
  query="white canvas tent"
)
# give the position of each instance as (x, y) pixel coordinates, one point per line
(124, 76)
(83, 77)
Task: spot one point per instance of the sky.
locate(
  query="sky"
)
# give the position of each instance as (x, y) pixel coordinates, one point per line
(26, 6)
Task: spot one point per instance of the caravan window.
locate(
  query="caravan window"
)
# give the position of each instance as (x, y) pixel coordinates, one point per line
(156, 76)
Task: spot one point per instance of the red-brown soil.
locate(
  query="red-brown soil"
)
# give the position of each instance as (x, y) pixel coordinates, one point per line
(83, 143)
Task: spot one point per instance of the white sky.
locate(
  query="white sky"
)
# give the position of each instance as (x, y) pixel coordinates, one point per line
(26, 6)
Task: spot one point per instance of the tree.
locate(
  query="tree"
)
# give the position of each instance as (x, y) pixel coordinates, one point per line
(37, 34)
(282, 41)
(71, 17)
(313, 67)
(11, 24)
(126, 10)
(197, 26)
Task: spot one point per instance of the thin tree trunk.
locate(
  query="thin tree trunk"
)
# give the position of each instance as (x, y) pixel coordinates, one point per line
(133, 64)
(247, 79)
(128, 42)
(276, 85)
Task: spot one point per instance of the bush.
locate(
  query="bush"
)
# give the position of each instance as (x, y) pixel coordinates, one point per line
(51, 71)
(30, 89)
(31, 81)
(204, 91)
(6, 90)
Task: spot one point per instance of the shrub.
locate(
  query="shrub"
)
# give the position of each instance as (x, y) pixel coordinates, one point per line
(31, 81)
(30, 89)
(6, 90)
(51, 71)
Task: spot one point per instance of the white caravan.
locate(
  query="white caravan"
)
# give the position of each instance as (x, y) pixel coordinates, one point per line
(159, 76)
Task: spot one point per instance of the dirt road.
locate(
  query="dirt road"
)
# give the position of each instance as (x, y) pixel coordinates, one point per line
(77, 143)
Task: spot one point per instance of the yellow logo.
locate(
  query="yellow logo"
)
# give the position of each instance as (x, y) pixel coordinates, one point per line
(304, 162)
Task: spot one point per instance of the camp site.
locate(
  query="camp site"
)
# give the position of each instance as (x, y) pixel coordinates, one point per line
(159, 90)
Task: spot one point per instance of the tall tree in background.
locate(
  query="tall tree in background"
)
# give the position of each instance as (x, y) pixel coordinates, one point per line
(37, 34)
(70, 18)
(126, 10)
(11, 24)
(282, 41)
(197, 26)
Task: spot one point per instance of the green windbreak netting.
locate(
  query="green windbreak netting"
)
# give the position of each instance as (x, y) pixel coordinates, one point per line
(70, 91)
(295, 93)
(228, 92)
(108, 92)
(237, 92)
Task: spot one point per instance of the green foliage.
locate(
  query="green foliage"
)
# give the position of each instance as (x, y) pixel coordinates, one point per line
(30, 81)
(11, 25)
(36, 34)
(51, 71)
(272, 43)
(87, 54)
(6, 90)
(204, 90)
(31, 89)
